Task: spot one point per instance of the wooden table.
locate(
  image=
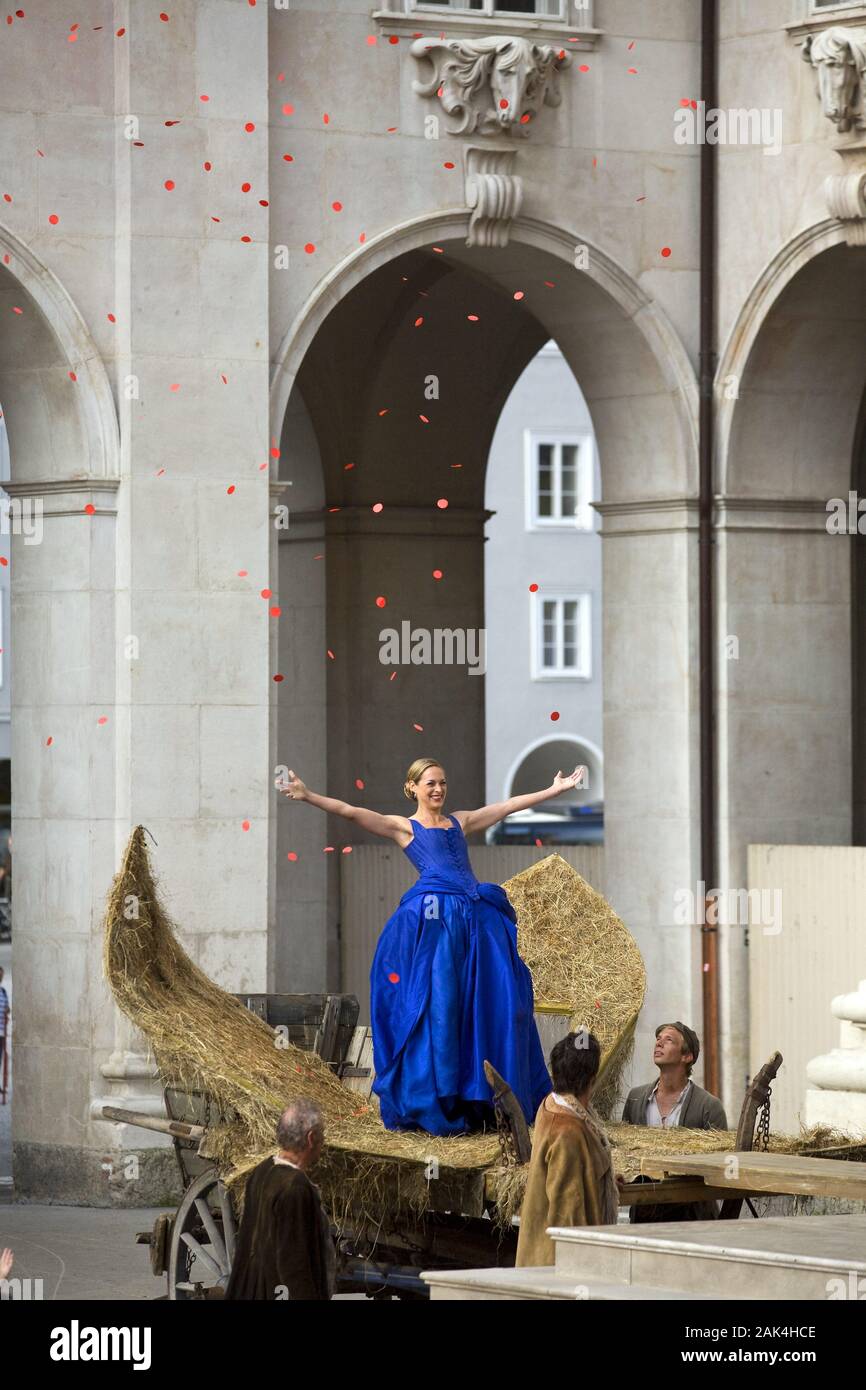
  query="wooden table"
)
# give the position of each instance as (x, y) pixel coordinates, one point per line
(710, 1176)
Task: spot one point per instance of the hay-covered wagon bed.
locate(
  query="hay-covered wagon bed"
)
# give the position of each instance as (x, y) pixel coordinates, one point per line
(399, 1202)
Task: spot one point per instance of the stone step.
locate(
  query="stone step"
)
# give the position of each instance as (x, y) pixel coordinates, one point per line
(796, 1257)
(492, 1285)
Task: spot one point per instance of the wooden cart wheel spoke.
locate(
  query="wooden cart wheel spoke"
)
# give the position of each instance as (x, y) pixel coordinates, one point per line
(200, 1253)
(218, 1250)
(229, 1230)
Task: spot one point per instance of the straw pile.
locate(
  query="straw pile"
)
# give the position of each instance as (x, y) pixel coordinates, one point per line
(205, 1040)
(581, 955)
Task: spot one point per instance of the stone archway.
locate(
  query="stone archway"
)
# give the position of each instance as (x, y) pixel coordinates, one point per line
(791, 385)
(356, 350)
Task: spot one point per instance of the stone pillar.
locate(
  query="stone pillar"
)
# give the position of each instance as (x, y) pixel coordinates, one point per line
(160, 704)
(837, 1096)
(783, 666)
(652, 784)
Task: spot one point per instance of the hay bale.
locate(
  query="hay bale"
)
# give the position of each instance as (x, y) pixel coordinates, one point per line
(204, 1039)
(583, 957)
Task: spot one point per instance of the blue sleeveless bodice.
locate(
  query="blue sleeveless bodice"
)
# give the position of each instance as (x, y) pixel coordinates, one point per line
(442, 858)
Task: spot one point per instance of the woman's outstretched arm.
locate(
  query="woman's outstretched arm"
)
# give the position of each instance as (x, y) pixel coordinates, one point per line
(486, 816)
(390, 827)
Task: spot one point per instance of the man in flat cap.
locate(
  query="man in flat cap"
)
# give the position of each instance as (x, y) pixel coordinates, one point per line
(674, 1099)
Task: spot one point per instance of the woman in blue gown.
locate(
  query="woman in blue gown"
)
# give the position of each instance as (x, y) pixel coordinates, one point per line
(448, 990)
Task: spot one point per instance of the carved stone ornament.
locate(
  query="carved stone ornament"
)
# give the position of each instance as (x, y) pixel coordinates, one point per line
(493, 192)
(492, 86)
(838, 59)
(846, 199)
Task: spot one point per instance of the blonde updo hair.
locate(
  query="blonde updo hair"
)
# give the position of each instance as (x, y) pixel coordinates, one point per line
(416, 772)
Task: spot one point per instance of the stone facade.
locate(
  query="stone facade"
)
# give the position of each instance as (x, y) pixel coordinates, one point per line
(223, 227)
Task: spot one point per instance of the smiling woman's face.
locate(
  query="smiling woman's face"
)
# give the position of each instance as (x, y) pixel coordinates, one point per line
(431, 789)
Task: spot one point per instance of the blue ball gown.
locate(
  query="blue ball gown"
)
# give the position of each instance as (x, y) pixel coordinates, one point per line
(448, 991)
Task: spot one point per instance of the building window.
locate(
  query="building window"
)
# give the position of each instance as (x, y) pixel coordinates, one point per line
(834, 4)
(547, 9)
(559, 481)
(562, 636)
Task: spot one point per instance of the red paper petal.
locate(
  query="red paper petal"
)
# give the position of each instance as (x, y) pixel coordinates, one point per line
(554, 714)
(381, 601)
(291, 855)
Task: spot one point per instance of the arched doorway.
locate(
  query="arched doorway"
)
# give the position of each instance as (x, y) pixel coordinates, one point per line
(789, 732)
(420, 312)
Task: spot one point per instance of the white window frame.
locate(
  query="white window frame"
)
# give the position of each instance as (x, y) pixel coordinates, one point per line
(816, 9)
(583, 519)
(583, 670)
(491, 10)
(576, 19)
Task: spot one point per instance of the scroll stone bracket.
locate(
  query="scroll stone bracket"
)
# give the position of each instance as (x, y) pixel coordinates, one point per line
(494, 193)
(846, 199)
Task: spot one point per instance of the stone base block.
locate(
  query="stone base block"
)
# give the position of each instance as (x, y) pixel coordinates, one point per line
(95, 1178)
(842, 1110)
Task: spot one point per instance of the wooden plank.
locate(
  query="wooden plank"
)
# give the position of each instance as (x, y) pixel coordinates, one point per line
(361, 1074)
(644, 1194)
(784, 1174)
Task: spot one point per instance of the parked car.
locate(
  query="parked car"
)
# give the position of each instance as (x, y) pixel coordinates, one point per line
(579, 825)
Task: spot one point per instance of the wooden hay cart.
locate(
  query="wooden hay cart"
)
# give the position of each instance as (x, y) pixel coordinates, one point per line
(194, 1246)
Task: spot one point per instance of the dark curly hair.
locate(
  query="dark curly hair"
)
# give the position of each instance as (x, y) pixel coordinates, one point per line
(574, 1062)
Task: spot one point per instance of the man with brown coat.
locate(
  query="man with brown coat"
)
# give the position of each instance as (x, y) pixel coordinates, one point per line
(571, 1180)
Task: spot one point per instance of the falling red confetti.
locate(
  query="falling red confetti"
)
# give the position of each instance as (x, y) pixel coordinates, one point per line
(246, 238)
(423, 419)
(16, 310)
(204, 97)
(665, 251)
(72, 376)
(230, 489)
(419, 727)
(554, 714)
(7, 197)
(393, 676)
(359, 784)
(381, 601)
(437, 574)
(632, 70)
(111, 318)
(551, 284)
(442, 503)
(160, 472)
(448, 164)
(291, 855)
(329, 849)
(224, 379)
(289, 158)
(533, 588)
(169, 184)
(394, 978)
(103, 719)
(120, 33)
(245, 825)
(163, 16)
(245, 187)
(377, 507)
(3, 561)
(371, 39)
(381, 412)
(250, 126)
(631, 45)
(53, 219)
(525, 119)
(275, 611)
(331, 654)
(518, 294)
(310, 248)
(419, 321)
(175, 386)
(347, 849)
(266, 593)
(288, 109)
(90, 509)
(207, 166)
(584, 67)
(337, 207)
(263, 203)
(242, 574)
(171, 123)
(326, 118)
(49, 741)
(473, 318)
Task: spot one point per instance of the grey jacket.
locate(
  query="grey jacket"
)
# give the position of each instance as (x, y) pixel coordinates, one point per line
(700, 1109)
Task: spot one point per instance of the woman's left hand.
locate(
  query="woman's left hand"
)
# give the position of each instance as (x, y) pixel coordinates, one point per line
(564, 784)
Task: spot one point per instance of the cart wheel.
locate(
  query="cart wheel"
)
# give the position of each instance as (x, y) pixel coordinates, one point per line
(202, 1240)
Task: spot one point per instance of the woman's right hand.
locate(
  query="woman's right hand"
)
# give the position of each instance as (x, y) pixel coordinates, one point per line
(293, 788)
